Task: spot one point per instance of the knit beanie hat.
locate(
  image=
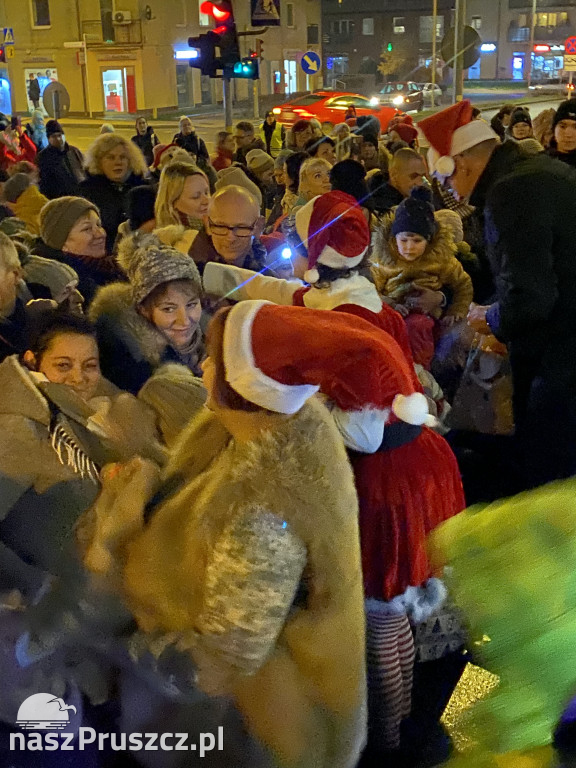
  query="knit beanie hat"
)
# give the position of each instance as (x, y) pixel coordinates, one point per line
(15, 186)
(141, 205)
(235, 176)
(453, 221)
(149, 263)
(415, 214)
(55, 275)
(350, 176)
(520, 115)
(566, 111)
(259, 161)
(53, 126)
(176, 396)
(59, 216)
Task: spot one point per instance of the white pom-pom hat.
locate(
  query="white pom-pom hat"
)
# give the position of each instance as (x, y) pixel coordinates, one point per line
(334, 231)
(451, 132)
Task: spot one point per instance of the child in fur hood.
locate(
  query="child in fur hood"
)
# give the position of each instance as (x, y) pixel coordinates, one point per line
(421, 253)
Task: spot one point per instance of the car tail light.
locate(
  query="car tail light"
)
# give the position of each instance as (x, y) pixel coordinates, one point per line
(303, 112)
(571, 86)
(277, 111)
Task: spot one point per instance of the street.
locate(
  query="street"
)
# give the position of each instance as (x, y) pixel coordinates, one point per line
(81, 132)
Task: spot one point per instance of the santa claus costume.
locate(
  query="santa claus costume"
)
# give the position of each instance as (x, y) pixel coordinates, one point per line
(406, 475)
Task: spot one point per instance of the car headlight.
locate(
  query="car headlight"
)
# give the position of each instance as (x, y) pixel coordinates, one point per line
(397, 100)
(374, 101)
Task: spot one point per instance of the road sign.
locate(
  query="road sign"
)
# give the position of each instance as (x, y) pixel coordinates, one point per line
(570, 62)
(311, 63)
(472, 43)
(570, 45)
(8, 36)
(9, 51)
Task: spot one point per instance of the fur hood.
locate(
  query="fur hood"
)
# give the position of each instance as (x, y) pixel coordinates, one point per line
(439, 250)
(115, 304)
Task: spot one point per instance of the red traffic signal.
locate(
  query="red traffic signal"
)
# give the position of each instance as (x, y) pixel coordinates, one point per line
(219, 13)
(2, 53)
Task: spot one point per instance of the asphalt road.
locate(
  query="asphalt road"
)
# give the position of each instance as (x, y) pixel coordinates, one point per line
(81, 133)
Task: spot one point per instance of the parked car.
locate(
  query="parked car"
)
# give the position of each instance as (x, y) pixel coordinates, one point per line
(432, 94)
(329, 107)
(407, 96)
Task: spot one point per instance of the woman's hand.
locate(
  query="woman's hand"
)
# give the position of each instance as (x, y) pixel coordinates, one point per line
(402, 309)
(477, 318)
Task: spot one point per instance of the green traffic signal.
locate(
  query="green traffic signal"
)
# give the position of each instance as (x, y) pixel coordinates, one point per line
(389, 47)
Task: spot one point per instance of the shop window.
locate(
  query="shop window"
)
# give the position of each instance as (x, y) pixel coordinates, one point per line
(367, 26)
(476, 22)
(398, 26)
(40, 13)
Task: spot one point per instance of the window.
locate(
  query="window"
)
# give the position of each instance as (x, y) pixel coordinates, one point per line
(398, 26)
(40, 13)
(426, 23)
(289, 14)
(341, 27)
(367, 26)
(204, 19)
(476, 22)
(313, 34)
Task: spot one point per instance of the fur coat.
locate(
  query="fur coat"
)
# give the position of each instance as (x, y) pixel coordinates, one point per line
(131, 348)
(253, 566)
(437, 268)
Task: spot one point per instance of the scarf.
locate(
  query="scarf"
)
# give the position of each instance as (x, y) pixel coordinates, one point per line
(190, 222)
(192, 355)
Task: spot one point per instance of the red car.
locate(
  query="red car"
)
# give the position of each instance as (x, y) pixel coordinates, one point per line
(329, 107)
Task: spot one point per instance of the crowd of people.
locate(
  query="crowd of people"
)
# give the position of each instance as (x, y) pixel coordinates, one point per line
(241, 391)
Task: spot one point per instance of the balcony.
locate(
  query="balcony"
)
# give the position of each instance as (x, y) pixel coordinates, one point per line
(518, 34)
(99, 34)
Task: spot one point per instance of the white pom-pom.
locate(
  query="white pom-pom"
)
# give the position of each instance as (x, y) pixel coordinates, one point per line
(413, 409)
(311, 276)
(444, 166)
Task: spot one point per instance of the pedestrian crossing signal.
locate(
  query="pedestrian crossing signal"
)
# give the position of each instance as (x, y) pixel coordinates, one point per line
(389, 47)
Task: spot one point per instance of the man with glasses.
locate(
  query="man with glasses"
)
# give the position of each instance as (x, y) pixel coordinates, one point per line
(233, 229)
(245, 141)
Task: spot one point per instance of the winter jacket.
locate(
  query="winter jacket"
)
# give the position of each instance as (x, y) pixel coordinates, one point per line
(12, 331)
(437, 268)
(194, 144)
(273, 136)
(222, 159)
(10, 154)
(28, 206)
(111, 200)
(146, 144)
(253, 564)
(240, 154)
(384, 195)
(38, 136)
(61, 171)
(566, 157)
(34, 89)
(92, 273)
(131, 348)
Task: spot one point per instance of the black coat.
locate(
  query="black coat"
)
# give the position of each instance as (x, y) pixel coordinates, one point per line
(61, 171)
(13, 332)
(111, 200)
(566, 157)
(146, 144)
(192, 143)
(529, 206)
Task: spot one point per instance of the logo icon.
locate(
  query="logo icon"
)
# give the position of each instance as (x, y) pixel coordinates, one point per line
(43, 711)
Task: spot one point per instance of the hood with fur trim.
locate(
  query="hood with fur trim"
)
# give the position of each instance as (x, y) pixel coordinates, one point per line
(115, 304)
(440, 249)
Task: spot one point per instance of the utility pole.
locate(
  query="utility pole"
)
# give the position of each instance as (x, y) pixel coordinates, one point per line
(227, 98)
(434, 22)
(531, 49)
(459, 20)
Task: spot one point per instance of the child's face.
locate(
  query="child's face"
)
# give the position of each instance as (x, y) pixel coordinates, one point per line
(410, 245)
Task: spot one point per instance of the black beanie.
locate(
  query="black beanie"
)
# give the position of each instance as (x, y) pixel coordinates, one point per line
(416, 214)
(140, 205)
(566, 111)
(350, 176)
(520, 115)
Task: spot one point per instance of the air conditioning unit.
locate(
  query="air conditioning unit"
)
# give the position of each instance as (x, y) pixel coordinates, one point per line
(122, 17)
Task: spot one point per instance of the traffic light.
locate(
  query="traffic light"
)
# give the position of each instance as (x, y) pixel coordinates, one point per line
(223, 37)
(2, 53)
(244, 69)
(259, 48)
(389, 47)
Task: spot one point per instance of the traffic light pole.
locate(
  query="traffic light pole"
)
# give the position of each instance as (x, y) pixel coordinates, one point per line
(256, 96)
(227, 97)
(459, 21)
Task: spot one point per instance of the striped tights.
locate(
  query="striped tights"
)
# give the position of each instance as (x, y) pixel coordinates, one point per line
(390, 658)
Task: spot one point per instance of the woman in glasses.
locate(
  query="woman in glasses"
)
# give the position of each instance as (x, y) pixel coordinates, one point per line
(152, 319)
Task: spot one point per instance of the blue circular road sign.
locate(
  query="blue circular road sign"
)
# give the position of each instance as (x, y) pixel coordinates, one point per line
(311, 63)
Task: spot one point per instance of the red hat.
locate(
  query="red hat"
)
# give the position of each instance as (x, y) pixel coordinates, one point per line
(158, 151)
(397, 120)
(334, 231)
(273, 241)
(278, 357)
(406, 132)
(451, 132)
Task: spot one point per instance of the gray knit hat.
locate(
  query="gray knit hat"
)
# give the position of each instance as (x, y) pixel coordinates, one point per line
(259, 161)
(55, 275)
(59, 216)
(235, 177)
(15, 186)
(149, 263)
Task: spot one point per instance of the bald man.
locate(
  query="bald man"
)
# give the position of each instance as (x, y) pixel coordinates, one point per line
(407, 170)
(233, 229)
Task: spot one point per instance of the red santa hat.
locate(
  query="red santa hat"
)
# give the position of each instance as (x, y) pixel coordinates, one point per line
(278, 357)
(451, 132)
(334, 230)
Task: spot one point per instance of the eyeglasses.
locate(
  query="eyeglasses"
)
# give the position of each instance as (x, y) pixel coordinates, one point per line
(240, 230)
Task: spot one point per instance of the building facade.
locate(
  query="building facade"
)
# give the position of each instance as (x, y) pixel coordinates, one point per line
(357, 32)
(131, 56)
